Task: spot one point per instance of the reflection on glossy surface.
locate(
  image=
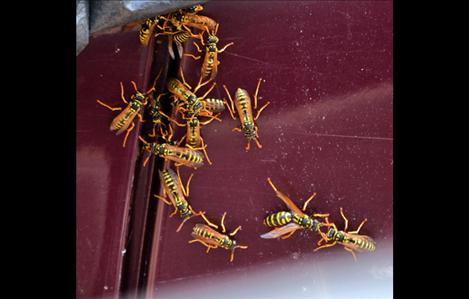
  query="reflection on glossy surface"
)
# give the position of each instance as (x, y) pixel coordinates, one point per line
(327, 70)
(299, 275)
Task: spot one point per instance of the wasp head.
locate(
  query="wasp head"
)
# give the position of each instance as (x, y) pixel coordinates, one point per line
(194, 8)
(139, 96)
(249, 130)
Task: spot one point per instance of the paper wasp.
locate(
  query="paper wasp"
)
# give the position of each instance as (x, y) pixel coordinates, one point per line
(125, 119)
(179, 36)
(244, 109)
(289, 222)
(191, 104)
(211, 238)
(147, 28)
(175, 191)
(210, 64)
(180, 155)
(351, 240)
(183, 19)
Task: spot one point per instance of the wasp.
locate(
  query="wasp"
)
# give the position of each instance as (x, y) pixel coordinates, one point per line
(244, 109)
(193, 137)
(210, 64)
(211, 238)
(287, 222)
(177, 193)
(351, 240)
(189, 157)
(181, 19)
(191, 104)
(178, 36)
(125, 119)
(148, 27)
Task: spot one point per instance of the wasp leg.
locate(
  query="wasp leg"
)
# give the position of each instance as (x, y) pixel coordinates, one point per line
(186, 189)
(205, 244)
(229, 109)
(289, 235)
(235, 231)
(146, 161)
(172, 120)
(134, 85)
(231, 100)
(256, 92)
(197, 46)
(325, 246)
(308, 200)
(222, 222)
(212, 118)
(163, 199)
(353, 253)
(181, 72)
(359, 227)
(224, 48)
(260, 110)
(203, 150)
(193, 56)
(182, 224)
(122, 93)
(127, 134)
(140, 118)
(109, 107)
(345, 219)
(208, 91)
(208, 221)
(258, 143)
(236, 130)
(248, 146)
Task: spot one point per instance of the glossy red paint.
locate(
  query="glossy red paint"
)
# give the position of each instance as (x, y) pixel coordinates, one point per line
(327, 70)
(105, 170)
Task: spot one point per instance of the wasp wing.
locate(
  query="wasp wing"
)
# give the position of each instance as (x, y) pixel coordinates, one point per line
(290, 204)
(280, 231)
(122, 121)
(212, 236)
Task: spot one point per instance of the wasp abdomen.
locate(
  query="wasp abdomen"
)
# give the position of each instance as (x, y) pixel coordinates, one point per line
(278, 219)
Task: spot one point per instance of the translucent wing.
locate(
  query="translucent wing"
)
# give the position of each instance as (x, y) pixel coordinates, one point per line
(280, 231)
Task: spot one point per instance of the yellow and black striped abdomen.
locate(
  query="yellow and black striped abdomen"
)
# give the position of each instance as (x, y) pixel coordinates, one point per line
(181, 37)
(364, 243)
(278, 219)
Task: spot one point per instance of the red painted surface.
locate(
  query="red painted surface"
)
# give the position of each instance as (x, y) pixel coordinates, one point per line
(104, 169)
(327, 70)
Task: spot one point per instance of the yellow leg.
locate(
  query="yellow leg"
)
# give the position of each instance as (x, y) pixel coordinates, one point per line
(256, 92)
(224, 48)
(163, 199)
(122, 93)
(205, 152)
(260, 110)
(259, 145)
(134, 85)
(205, 244)
(208, 91)
(345, 219)
(229, 97)
(229, 109)
(193, 56)
(236, 130)
(127, 134)
(222, 222)
(172, 120)
(248, 146)
(208, 221)
(308, 200)
(235, 231)
(325, 246)
(289, 235)
(182, 224)
(181, 72)
(109, 107)
(197, 46)
(359, 227)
